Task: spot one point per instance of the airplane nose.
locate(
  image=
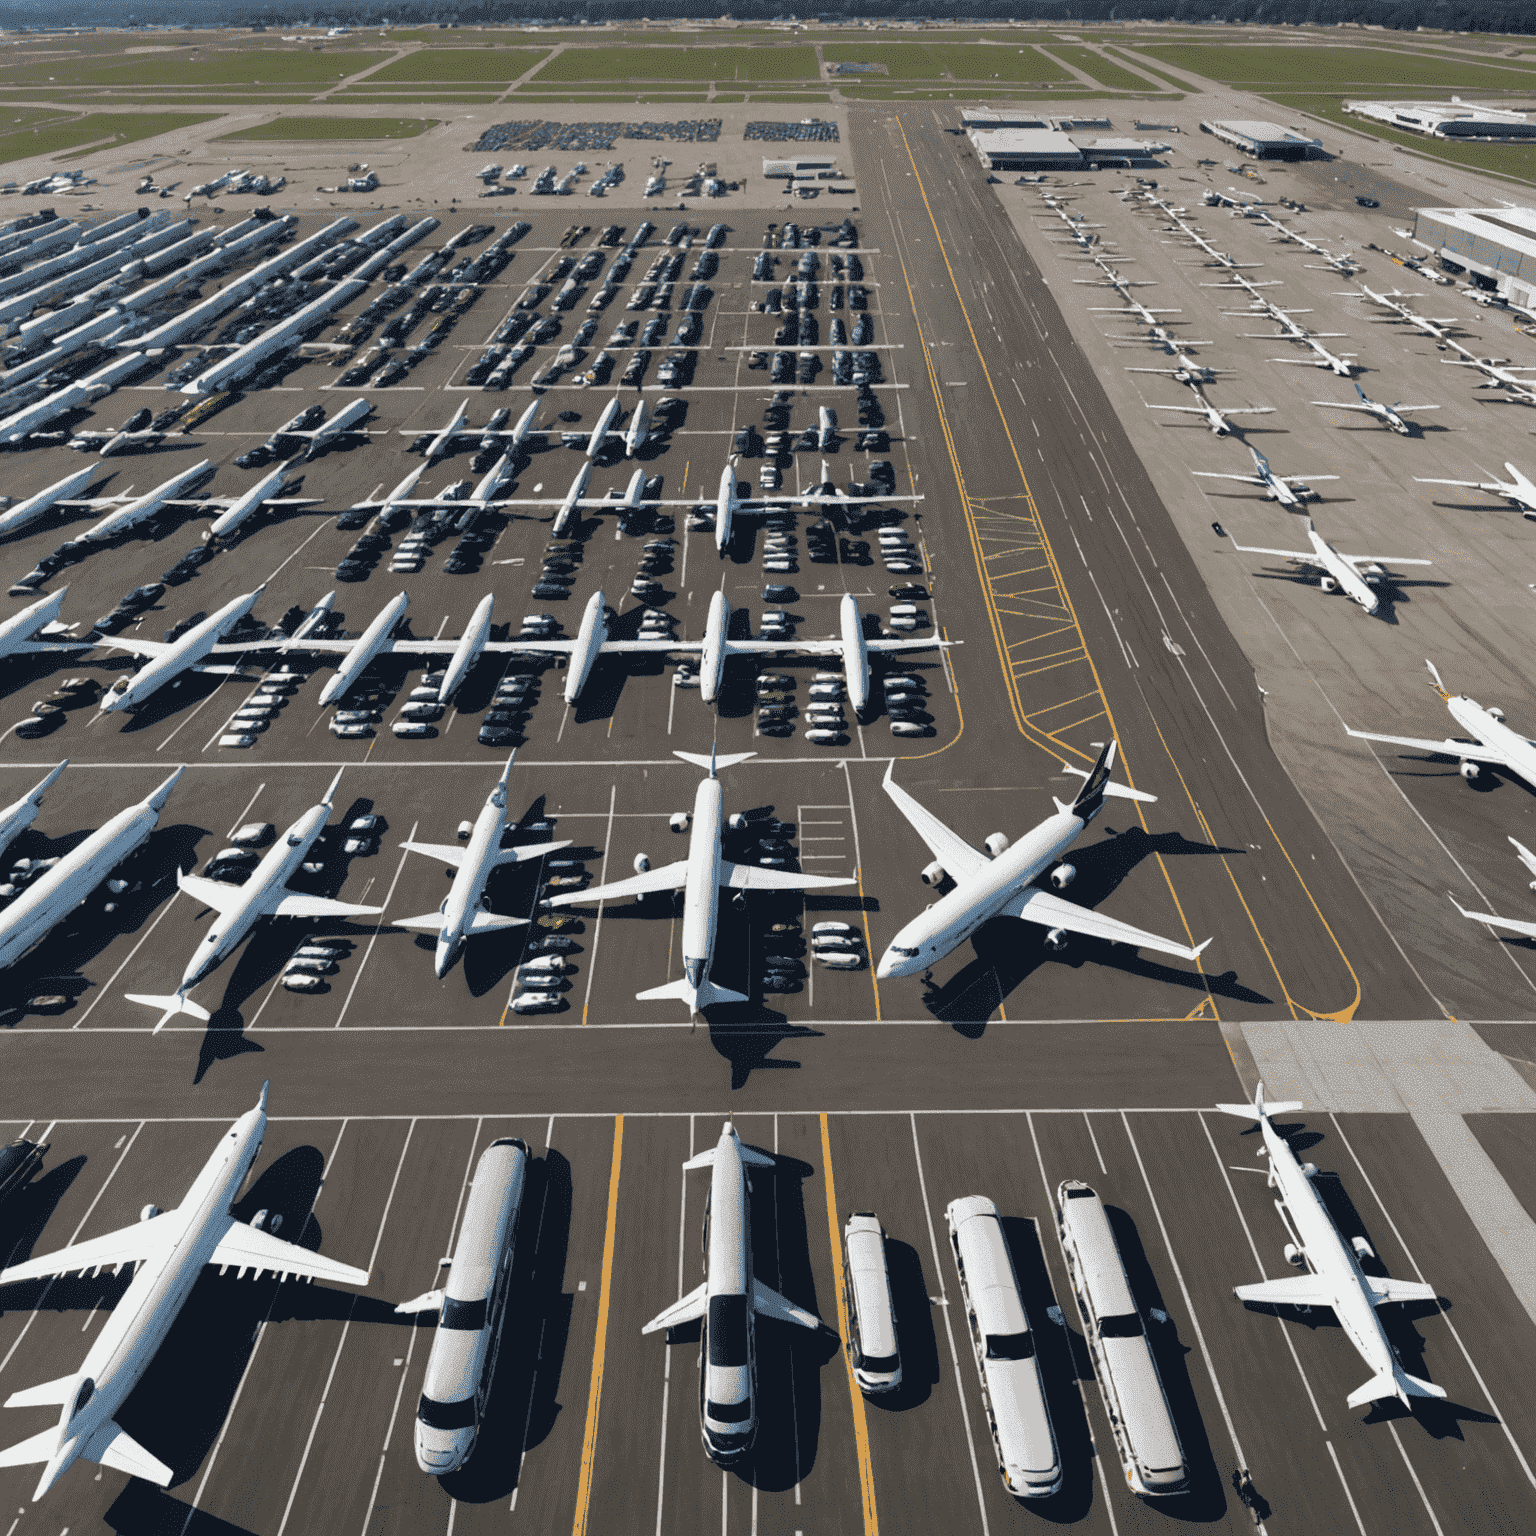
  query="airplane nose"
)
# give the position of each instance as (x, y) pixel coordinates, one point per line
(886, 968)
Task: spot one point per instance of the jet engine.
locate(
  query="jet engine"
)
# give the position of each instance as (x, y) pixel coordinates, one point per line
(1328, 584)
(934, 874)
(1309, 1170)
(996, 844)
(1468, 771)
(1063, 876)
(1056, 940)
(642, 863)
(1494, 712)
(1362, 1248)
(149, 1213)
(679, 820)
(1293, 1255)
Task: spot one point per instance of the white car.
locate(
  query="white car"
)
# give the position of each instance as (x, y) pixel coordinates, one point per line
(904, 567)
(237, 739)
(904, 622)
(412, 728)
(319, 952)
(244, 722)
(422, 711)
(835, 943)
(840, 960)
(346, 730)
(828, 928)
(365, 823)
(539, 1002)
(910, 728)
(830, 691)
(302, 981)
(253, 834)
(310, 966)
(550, 964)
(826, 738)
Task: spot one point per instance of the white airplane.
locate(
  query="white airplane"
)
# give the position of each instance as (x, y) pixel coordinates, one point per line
(601, 428)
(47, 902)
(444, 440)
(1354, 575)
(262, 494)
(1288, 490)
(128, 511)
(1392, 415)
(1000, 881)
(826, 429)
(240, 907)
(1215, 419)
(136, 432)
(1519, 490)
(169, 1250)
(726, 1304)
(700, 877)
(342, 424)
(1333, 362)
(1516, 925)
(18, 634)
(1493, 741)
(15, 819)
(62, 494)
(463, 914)
(1335, 1279)
(489, 435)
(140, 508)
(639, 428)
(1430, 325)
(1188, 372)
(168, 661)
(1497, 375)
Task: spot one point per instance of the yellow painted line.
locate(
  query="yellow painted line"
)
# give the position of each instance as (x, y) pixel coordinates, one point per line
(682, 490)
(874, 980)
(860, 1421)
(599, 1349)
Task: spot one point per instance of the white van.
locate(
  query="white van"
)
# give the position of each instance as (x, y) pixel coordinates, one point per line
(1145, 1437)
(1004, 1345)
(872, 1342)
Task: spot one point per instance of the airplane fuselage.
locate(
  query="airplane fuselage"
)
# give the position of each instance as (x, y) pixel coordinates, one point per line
(701, 889)
(183, 655)
(1349, 579)
(728, 1364)
(21, 627)
(938, 929)
(586, 647)
(1476, 721)
(463, 898)
(364, 649)
(468, 650)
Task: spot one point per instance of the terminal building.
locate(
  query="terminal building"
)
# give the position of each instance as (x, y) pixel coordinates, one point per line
(805, 167)
(1263, 141)
(1496, 244)
(1042, 148)
(1453, 119)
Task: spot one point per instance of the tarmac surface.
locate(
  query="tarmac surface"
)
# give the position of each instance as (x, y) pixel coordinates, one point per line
(1062, 546)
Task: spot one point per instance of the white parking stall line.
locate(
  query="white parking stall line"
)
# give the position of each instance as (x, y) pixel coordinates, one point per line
(127, 960)
(247, 811)
(378, 927)
(1353, 1507)
(666, 1369)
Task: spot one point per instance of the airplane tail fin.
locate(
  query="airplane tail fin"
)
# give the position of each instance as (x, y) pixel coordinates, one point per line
(1394, 1383)
(1109, 789)
(698, 998)
(172, 1005)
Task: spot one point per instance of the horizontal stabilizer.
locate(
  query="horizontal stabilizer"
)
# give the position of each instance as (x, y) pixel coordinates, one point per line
(114, 1447)
(684, 992)
(702, 760)
(49, 1394)
(1292, 1291)
(1397, 1384)
(755, 1159)
(321, 906)
(768, 1301)
(687, 1310)
(489, 922)
(169, 1007)
(39, 1448)
(431, 1301)
(704, 1159)
(1248, 1112)
(1383, 1291)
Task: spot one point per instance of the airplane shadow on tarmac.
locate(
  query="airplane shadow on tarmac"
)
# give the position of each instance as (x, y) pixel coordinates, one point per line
(523, 1403)
(27, 1212)
(1009, 951)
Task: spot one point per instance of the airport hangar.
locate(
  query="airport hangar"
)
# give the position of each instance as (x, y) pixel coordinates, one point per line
(1497, 244)
(1261, 140)
(1453, 119)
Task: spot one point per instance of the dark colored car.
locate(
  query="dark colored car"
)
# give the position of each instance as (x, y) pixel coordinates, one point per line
(18, 1162)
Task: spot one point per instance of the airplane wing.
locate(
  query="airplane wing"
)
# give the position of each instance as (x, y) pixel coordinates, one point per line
(1473, 751)
(1037, 906)
(1350, 405)
(1206, 474)
(521, 851)
(1470, 485)
(147, 648)
(320, 906)
(250, 1248)
(1401, 408)
(686, 1310)
(110, 1251)
(1513, 924)
(1292, 1291)
(949, 848)
(655, 647)
(670, 877)
(1304, 479)
(449, 853)
(1306, 556)
(211, 893)
(1384, 560)
(752, 877)
(768, 1301)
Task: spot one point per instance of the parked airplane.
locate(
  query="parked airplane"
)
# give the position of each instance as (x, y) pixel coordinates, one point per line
(726, 1304)
(1215, 419)
(1335, 1279)
(241, 907)
(70, 882)
(1391, 415)
(141, 508)
(1288, 490)
(169, 660)
(440, 442)
(15, 819)
(169, 1250)
(639, 428)
(342, 424)
(136, 432)
(1497, 376)
(1516, 925)
(1000, 881)
(62, 494)
(1430, 325)
(602, 427)
(463, 913)
(1354, 575)
(1519, 490)
(1188, 372)
(18, 634)
(263, 494)
(700, 877)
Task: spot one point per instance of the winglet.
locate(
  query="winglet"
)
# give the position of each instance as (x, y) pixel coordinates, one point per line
(157, 800)
(1437, 685)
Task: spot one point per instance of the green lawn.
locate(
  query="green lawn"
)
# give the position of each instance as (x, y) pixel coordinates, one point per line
(1152, 69)
(1324, 68)
(121, 127)
(197, 66)
(333, 128)
(661, 64)
(362, 98)
(1514, 160)
(449, 64)
(1097, 67)
(26, 117)
(962, 61)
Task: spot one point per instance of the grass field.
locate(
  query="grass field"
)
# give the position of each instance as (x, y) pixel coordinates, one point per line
(25, 117)
(198, 66)
(959, 61)
(363, 99)
(451, 64)
(121, 127)
(654, 65)
(293, 128)
(1152, 69)
(1323, 68)
(1517, 161)
(1097, 67)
